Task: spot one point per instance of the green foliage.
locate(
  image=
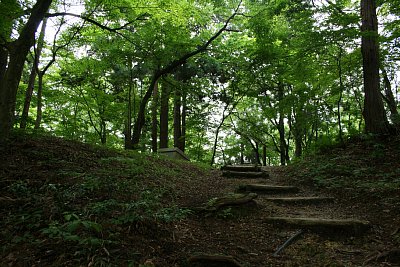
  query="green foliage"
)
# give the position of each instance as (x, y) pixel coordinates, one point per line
(333, 166)
(171, 214)
(10, 11)
(76, 230)
(324, 144)
(225, 214)
(277, 60)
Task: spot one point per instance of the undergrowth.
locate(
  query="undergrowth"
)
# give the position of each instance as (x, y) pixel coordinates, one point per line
(363, 163)
(71, 204)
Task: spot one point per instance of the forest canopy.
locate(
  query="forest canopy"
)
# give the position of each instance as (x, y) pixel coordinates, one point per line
(226, 81)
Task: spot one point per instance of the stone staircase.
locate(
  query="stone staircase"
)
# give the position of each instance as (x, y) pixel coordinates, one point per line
(244, 171)
(292, 209)
(288, 196)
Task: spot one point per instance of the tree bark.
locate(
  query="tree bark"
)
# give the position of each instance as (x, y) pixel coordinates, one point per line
(128, 123)
(257, 153)
(32, 76)
(241, 153)
(341, 89)
(39, 111)
(184, 114)
(374, 112)
(298, 140)
(3, 62)
(18, 51)
(298, 132)
(264, 155)
(154, 127)
(389, 99)
(281, 127)
(164, 112)
(177, 118)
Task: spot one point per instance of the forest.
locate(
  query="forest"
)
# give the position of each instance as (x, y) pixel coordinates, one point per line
(225, 81)
(287, 110)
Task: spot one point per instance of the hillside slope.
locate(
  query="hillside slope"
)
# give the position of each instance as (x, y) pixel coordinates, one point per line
(68, 203)
(65, 203)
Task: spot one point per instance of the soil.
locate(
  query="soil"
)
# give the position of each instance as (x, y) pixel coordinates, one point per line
(239, 233)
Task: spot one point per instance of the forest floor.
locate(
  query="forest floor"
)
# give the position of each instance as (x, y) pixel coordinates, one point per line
(64, 203)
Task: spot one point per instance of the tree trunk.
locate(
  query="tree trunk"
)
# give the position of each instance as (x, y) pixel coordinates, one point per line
(257, 153)
(217, 132)
(241, 153)
(287, 146)
(298, 132)
(184, 114)
(103, 122)
(374, 112)
(32, 76)
(141, 116)
(390, 100)
(282, 142)
(255, 150)
(264, 155)
(164, 112)
(18, 50)
(3, 62)
(39, 101)
(154, 128)
(216, 142)
(128, 123)
(281, 127)
(298, 140)
(177, 118)
(103, 132)
(341, 89)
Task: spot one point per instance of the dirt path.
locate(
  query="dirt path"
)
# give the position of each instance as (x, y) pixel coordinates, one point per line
(245, 233)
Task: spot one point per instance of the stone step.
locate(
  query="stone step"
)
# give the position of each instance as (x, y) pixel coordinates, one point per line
(244, 175)
(267, 189)
(300, 200)
(332, 226)
(241, 168)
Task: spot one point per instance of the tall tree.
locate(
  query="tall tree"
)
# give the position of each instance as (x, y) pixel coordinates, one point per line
(178, 118)
(17, 51)
(33, 74)
(164, 112)
(389, 98)
(374, 112)
(154, 122)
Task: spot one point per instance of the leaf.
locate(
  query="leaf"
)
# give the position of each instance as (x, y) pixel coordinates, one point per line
(71, 227)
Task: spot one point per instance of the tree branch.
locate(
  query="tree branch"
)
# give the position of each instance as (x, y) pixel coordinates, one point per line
(94, 22)
(98, 24)
(169, 68)
(140, 120)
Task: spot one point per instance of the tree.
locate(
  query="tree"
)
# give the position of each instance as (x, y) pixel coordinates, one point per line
(167, 69)
(16, 52)
(374, 112)
(154, 122)
(164, 112)
(32, 76)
